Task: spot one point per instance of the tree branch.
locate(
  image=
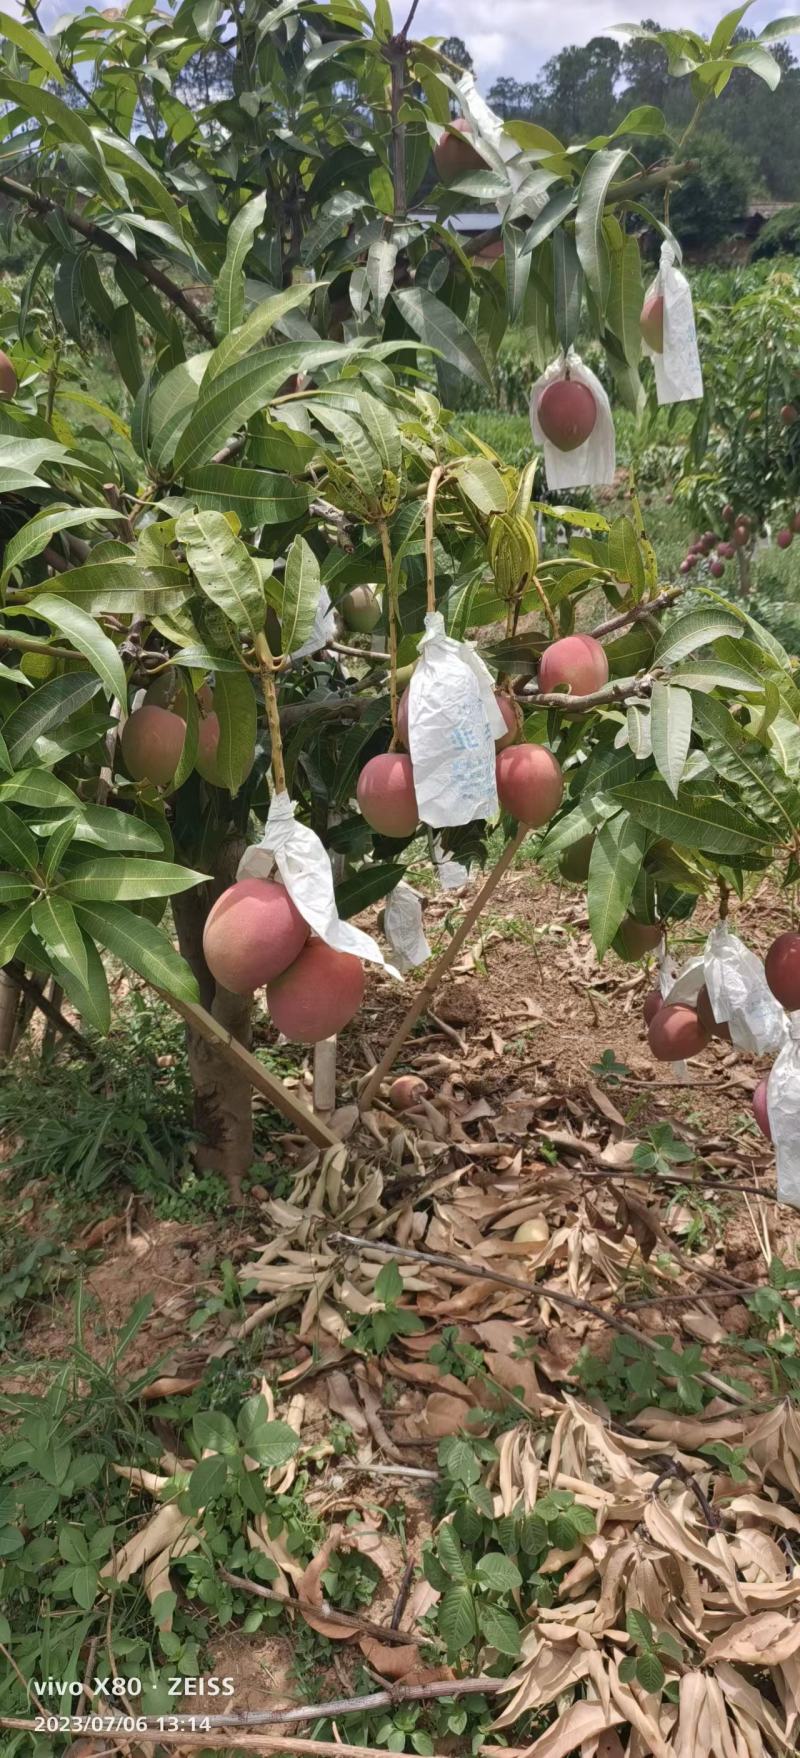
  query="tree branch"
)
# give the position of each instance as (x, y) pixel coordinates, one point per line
(41, 204)
(639, 612)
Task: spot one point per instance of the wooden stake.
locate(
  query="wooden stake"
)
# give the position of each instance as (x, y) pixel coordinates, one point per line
(287, 1103)
(325, 1077)
(440, 969)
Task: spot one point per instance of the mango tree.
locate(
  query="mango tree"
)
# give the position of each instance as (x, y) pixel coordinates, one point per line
(287, 308)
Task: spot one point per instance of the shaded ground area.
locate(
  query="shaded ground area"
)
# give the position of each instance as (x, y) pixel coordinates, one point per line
(601, 1242)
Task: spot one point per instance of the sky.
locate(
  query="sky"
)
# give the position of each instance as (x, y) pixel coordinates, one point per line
(515, 37)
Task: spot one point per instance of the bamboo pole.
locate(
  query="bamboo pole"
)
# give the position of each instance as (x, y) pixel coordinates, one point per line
(287, 1103)
(440, 969)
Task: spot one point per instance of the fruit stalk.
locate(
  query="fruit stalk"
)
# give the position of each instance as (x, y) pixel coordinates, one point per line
(440, 969)
(266, 667)
(434, 481)
(391, 602)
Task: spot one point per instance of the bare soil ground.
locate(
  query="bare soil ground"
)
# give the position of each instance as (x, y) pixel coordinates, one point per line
(518, 1121)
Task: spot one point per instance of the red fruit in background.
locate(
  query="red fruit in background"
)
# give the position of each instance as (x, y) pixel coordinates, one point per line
(252, 934)
(205, 761)
(726, 551)
(8, 378)
(567, 412)
(782, 967)
(512, 715)
(741, 536)
(686, 567)
(675, 1034)
(406, 1091)
(728, 513)
(705, 1014)
(651, 323)
(454, 155)
(785, 538)
(760, 1111)
(386, 796)
(152, 742)
(653, 1004)
(789, 414)
(577, 660)
(530, 784)
(716, 569)
(318, 995)
(633, 940)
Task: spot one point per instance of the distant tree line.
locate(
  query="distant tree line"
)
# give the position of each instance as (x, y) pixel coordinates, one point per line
(751, 149)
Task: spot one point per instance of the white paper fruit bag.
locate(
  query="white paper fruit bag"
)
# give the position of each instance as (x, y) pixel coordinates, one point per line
(783, 1106)
(739, 994)
(453, 721)
(305, 868)
(402, 925)
(595, 460)
(677, 369)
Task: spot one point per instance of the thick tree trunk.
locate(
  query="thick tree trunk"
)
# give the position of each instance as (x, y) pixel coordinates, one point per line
(9, 1008)
(223, 1111)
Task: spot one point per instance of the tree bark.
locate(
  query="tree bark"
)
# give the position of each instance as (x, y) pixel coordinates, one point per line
(223, 1109)
(9, 1007)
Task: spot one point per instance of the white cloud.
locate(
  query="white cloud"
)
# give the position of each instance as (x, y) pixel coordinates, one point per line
(524, 33)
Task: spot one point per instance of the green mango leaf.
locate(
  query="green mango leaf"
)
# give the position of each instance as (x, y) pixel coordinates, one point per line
(54, 921)
(439, 328)
(14, 889)
(124, 879)
(57, 844)
(169, 406)
(518, 268)
(367, 886)
(17, 845)
(671, 731)
(88, 639)
(230, 285)
(625, 556)
(38, 788)
(236, 709)
(625, 298)
(568, 288)
(482, 484)
(590, 238)
(696, 628)
(223, 568)
(124, 340)
(15, 922)
(301, 586)
(257, 497)
(242, 389)
(614, 867)
(749, 767)
(33, 44)
(137, 943)
(242, 339)
(32, 537)
(45, 709)
(693, 820)
(105, 827)
(123, 587)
